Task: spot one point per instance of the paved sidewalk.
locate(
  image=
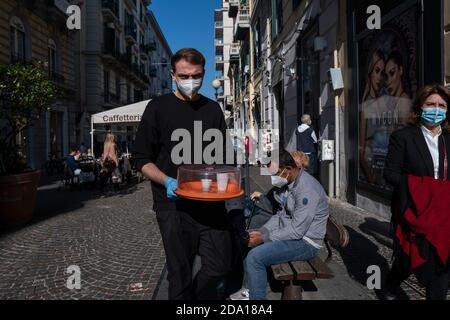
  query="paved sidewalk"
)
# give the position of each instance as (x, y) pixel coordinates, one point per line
(112, 237)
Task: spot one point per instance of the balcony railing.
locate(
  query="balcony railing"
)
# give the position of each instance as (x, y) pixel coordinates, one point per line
(242, 25)
(235, 52)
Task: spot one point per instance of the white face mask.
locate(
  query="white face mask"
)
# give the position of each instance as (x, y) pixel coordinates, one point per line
(279, 182)
(189, 87)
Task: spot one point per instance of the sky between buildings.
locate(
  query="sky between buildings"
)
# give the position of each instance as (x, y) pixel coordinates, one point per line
(190, 23)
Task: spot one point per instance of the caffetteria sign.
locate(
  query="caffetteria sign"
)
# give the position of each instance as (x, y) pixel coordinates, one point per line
(121, 118)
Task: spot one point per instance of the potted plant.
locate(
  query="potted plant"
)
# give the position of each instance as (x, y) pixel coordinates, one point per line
(25, 92)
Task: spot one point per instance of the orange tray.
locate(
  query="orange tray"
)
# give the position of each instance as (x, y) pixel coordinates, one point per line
(193, 191)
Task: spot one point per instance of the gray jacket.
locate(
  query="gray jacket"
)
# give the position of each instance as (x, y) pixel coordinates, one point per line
(305, 212)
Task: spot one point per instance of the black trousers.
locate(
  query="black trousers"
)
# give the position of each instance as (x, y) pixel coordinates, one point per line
(435, 290)
(184, 236)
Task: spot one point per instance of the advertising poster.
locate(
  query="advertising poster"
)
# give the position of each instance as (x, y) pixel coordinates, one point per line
(387, 84)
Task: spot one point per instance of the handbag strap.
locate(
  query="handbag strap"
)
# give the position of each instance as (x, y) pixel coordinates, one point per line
(445, 159)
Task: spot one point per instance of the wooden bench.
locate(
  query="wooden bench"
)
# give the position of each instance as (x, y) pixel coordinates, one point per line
(290, 274)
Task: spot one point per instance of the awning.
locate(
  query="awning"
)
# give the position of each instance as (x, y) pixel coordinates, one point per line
(126, 114)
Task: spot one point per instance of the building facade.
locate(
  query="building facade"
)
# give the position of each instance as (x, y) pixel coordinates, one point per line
(32, 31)
(119, 56)
(223, 42)
(122, 58)
(292, 49)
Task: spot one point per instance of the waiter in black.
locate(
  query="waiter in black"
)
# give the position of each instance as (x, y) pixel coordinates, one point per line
(187, 227)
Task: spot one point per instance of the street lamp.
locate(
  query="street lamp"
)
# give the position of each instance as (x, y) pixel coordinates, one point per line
(216, 84)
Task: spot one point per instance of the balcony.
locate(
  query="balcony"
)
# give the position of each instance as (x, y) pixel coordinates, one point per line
(110, 10)
(218, 24)
(148, 48)
(235, 53)
(130, 33)
(234, 7)
(218, 42)
(242, 25)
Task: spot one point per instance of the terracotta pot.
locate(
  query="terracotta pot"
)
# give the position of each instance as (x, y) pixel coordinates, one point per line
(18, 197)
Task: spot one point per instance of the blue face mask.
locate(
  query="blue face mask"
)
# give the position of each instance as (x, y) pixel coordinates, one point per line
(433, 116)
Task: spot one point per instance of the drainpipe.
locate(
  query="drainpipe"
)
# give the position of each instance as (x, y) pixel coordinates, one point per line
(337, 133)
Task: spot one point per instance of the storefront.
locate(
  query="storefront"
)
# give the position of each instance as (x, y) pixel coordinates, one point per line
(388, 66)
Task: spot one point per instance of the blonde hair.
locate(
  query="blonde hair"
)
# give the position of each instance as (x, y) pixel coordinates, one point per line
(301, 159)
(110, 138)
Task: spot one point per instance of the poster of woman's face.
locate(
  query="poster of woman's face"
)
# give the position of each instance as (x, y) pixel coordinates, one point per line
(387, 83)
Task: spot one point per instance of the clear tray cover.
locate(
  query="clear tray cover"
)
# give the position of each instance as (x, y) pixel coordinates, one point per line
(209, 179)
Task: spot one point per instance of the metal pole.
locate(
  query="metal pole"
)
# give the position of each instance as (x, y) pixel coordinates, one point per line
(247, 149)
(92, 135)
(337, 135)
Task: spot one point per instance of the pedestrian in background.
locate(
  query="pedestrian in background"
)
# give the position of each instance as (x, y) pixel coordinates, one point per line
(304, 139)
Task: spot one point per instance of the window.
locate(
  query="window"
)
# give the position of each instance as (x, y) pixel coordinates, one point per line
(52, 70)
(17, 40)
(277, 17)
(106, 85)
(257, 45)
(128, 93)
(118, 91)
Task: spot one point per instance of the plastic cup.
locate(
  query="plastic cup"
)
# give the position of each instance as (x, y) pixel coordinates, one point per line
(206, 185)
(222, 182)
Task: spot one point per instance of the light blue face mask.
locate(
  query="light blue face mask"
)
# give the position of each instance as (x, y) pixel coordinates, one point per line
(433, 116)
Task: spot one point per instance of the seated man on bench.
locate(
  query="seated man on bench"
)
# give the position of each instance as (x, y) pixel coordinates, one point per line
(295, 232)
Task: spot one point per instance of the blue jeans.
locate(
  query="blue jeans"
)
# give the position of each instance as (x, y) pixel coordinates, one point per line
(269, 253)
(312, 163)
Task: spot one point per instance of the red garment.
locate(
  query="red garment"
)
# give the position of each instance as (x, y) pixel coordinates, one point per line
(429, 216)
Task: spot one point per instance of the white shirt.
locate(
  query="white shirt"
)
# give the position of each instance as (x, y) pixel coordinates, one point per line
(433, 146)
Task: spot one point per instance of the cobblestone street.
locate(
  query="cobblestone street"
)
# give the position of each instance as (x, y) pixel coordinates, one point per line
(113, 238)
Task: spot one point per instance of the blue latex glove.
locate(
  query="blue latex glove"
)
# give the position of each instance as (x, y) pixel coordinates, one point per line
(171, 185)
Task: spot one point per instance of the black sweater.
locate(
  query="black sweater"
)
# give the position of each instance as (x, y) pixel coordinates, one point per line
(161, 118)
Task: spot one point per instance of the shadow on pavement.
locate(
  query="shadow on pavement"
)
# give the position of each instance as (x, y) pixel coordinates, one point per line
(53, 199)
(359, 255)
